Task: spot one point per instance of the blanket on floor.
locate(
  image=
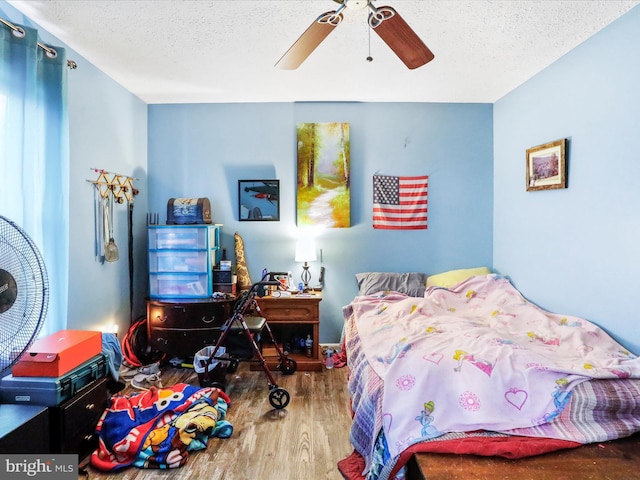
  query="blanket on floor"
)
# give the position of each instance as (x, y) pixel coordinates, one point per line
(159, 427)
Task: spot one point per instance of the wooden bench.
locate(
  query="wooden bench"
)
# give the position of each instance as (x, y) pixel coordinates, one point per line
(617, 459)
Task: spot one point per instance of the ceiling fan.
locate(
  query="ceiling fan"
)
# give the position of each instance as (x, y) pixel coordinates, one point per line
(385, 21)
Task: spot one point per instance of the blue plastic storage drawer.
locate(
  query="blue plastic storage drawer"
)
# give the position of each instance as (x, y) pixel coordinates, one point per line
(178, 238)
(179, 286)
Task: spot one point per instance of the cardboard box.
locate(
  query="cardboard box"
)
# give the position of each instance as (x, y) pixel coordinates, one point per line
(59, 353)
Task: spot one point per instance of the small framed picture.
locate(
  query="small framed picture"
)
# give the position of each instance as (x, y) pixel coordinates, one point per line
(546, 166)
(258, 200)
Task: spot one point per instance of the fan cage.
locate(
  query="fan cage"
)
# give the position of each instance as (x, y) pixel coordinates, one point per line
(21, 322)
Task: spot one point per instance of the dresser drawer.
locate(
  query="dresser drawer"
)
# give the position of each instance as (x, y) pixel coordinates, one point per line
(73, 423)
(187, 315)
(181, 342)
(294, 311)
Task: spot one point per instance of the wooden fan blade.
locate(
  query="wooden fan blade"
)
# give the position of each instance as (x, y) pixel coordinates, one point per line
(309, 40)
(399, 36)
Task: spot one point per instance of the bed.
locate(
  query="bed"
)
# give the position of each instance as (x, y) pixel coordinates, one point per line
(463, 363)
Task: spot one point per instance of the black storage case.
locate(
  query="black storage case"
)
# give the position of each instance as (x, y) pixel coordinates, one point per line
(52, 391)
(221, 276)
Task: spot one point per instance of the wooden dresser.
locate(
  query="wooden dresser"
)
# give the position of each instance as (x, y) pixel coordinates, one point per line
(183, 327)
(292, 318)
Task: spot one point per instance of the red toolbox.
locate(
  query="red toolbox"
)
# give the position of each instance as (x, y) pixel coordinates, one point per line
(59, 353)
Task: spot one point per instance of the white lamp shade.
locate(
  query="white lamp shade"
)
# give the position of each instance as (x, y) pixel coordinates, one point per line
(306, 250)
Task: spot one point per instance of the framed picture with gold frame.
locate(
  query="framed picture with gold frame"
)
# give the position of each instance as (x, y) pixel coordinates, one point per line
(547, 166)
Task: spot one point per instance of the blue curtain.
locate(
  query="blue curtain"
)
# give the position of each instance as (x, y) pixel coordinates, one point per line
(34, 153)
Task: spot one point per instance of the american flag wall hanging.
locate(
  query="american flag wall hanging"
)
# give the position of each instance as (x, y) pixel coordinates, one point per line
(400, 203)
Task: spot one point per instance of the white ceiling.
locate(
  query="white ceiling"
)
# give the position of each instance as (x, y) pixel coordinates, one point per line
(203, 51)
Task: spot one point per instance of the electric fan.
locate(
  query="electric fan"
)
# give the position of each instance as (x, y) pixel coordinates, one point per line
(24, 293)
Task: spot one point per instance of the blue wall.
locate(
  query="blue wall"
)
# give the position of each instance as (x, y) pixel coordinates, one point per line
(572, 251)
(107, 130)
(203, 150)
(575, 250)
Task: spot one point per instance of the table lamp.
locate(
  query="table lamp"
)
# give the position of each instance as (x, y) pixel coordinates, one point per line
(305, 252)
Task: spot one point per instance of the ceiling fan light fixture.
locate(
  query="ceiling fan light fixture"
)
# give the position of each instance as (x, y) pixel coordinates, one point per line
(356, 4)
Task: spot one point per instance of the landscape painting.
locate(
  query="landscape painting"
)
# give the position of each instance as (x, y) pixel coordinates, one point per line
(546, 166)
(323, 165)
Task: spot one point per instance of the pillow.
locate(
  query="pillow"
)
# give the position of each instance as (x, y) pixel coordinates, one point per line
(412, 284)
(244, 280)
(453, 277)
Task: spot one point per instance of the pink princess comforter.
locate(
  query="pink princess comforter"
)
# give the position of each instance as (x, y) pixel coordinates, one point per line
(477, 357)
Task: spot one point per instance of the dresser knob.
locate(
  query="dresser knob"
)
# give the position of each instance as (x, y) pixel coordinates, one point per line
(161, 319)
(88, 438)
(204, 319)
(90, 406)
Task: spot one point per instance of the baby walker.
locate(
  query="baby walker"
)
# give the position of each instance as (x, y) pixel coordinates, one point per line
(251, 325)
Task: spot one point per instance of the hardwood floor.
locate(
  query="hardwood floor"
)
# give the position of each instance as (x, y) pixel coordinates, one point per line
(304, 441)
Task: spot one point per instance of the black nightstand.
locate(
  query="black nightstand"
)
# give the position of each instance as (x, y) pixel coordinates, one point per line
(24, 429)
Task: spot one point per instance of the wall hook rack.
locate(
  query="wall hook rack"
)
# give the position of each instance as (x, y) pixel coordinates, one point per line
(119, 186)
(111, 188)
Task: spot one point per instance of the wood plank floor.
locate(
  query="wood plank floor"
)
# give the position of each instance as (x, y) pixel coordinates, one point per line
(303, 441)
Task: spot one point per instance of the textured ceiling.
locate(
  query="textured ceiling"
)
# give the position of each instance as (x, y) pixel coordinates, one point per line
(202, 51)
